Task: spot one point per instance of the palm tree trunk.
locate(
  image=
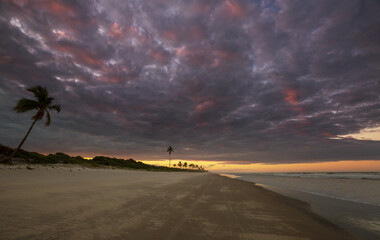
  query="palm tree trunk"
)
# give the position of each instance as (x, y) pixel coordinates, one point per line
(169, 159)
(21, 143)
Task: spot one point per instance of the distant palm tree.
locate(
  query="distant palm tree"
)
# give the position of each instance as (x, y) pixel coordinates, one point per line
(185, 164)
(42, 104)
(180, 164)
(170, 150)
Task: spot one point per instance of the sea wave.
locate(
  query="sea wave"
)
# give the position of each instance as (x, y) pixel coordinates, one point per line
(333, 175)
(355, 187)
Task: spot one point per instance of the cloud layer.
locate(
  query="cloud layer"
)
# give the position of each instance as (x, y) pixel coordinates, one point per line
(260, 81)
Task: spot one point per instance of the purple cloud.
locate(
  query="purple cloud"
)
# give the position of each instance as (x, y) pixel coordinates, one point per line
(260, 81)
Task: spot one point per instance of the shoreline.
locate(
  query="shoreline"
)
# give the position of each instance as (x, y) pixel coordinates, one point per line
(358, 218)
(104, 203)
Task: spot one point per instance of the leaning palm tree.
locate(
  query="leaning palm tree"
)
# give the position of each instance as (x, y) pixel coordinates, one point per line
(42, 104)
(170, 150)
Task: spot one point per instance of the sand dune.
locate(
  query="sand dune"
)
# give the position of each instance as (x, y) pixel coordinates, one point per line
(76, 203)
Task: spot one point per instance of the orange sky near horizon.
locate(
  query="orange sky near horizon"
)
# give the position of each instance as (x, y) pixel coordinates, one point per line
(333, 166)
(246, 166)
(228, 167)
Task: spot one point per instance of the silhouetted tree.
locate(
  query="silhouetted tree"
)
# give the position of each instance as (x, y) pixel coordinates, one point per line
(180, 164)
(191, 165)
(174, 165)
(185, 164)
(42, 104)
(170, 150)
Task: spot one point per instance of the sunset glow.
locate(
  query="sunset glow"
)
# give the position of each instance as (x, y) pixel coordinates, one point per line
(371, 134)
(233, 84)
(228, 167)
(190, 119)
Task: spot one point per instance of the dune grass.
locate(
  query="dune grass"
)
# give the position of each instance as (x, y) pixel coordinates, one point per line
(96, 162)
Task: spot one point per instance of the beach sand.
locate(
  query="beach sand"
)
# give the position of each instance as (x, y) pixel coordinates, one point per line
(79, 203)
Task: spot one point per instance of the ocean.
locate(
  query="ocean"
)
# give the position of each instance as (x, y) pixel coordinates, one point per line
(351, 200)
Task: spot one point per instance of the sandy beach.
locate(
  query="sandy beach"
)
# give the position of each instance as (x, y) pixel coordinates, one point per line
(79, 203)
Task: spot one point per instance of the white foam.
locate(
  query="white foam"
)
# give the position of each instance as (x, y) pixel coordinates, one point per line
(355, 187)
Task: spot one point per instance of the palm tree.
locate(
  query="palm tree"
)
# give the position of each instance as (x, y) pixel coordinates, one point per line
(185, 164)
(180, 164)
(170, 150)
(42, 104)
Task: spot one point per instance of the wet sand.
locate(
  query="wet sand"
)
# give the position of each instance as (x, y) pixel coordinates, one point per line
(76, 203)
(361, 220)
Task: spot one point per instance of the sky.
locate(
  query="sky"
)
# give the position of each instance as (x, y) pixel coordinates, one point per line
(235, 82)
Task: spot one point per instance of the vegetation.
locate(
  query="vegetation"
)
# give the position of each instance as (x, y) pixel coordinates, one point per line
(98, 161)
(170, 150)
(192, 166)
(42, 104)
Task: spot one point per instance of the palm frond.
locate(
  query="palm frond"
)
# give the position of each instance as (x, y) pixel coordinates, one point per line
(55, 107)
(170, 149)
(48, 101)
(36, 90)
(47, 118)
(24, 105)
(40, 93)
(39, 115)
(42, 104)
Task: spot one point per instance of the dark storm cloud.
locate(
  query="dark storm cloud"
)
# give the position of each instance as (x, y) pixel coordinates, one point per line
(260, 81)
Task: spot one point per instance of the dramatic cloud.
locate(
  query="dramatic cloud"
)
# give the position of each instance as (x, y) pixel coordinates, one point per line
(260, 81)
